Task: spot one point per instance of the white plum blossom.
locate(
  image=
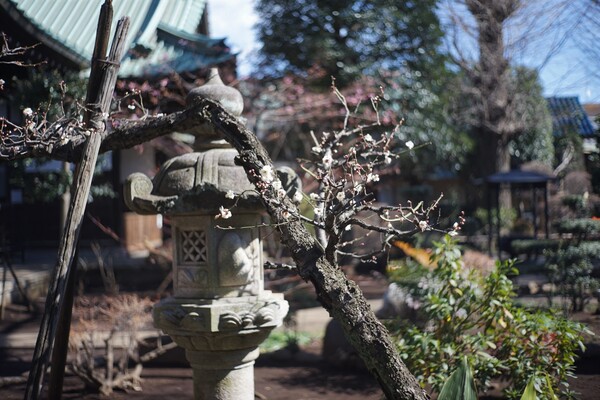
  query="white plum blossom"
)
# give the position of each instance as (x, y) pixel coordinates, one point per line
(347, 227)
(368, 138)
(224, 213)
(371, 177)
(340, 196)
(423, 225)
(28, 112)
(455, 229)
(297, 197)
(410, 144)
(317, 149)
(319, 210)
(230, 194)
(358, 188)
(131, 106)
(281, 193)
(314, 196)
(387, 160)
(267, 174)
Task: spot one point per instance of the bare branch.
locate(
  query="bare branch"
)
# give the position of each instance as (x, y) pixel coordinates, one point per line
(64, 139)
(281, 266)
(12, 55)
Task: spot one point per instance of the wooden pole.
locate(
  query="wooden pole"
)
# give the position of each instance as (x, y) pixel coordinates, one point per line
(61, 343)
(101, 86)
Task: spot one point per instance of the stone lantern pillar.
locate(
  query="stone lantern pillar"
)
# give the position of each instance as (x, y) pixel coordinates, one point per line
(220, 311)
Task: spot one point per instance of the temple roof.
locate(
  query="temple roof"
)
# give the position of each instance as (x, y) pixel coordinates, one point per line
(162, 36)
(569, 116)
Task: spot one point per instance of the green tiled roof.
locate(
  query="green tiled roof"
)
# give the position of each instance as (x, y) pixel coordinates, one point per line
(72, 23)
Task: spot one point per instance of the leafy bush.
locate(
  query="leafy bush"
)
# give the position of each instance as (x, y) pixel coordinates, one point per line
(570, 269)
(507, 217)
(579, 226)
(533, 246)
(475, 316)
(576, 203)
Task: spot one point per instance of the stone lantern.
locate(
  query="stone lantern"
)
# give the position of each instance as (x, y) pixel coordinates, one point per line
(220, 311)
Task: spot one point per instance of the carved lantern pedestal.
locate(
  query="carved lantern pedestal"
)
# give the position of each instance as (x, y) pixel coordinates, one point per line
(220, 311)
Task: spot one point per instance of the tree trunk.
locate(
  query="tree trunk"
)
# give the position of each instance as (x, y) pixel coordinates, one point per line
(503, 165)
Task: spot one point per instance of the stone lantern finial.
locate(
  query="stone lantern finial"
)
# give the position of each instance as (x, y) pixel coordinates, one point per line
(214, 89)
(228, 97)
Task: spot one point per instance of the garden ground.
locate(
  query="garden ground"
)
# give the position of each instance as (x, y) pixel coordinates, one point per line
(282, 374)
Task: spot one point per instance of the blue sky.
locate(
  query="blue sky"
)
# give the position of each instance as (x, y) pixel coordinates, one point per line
(566, 74)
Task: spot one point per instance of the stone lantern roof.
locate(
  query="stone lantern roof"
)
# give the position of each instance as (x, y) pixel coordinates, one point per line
(192, 182)
(202, 181)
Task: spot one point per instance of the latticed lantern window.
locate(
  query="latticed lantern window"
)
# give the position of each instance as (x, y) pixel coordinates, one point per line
(192, 247)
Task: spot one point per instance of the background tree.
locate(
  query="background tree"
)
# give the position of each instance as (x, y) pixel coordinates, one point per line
(364, 45)
(348, 38)
(535, 141)
(488, 40)
(488, 81)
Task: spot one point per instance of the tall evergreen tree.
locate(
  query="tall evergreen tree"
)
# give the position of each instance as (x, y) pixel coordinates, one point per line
(346, 38)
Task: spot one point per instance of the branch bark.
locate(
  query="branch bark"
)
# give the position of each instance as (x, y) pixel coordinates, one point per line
(64, 140)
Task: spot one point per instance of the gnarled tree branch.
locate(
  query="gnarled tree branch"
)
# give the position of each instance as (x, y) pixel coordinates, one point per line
(340, 296)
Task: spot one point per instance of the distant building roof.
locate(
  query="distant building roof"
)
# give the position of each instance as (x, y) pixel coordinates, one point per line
(593, 112)
(592, 109)
(569, 116)
(162, 36)
(519, 177)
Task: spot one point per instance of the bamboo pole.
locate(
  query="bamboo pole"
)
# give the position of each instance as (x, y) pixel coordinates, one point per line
(100, 89)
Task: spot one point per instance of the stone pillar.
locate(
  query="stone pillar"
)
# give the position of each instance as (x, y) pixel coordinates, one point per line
(219, 312)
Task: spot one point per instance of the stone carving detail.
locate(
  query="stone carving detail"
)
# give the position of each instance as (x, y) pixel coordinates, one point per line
(192, 277)
(231, 320)
(264, 316)
(192, 247)
(179, 318)
(236, 258)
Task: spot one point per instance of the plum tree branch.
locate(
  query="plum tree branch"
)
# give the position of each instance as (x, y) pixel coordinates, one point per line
(340, 296)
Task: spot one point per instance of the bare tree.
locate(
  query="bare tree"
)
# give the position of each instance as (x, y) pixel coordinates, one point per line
(488, 39)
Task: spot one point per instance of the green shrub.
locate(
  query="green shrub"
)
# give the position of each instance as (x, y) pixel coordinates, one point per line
(579, 226)
(475, 316)
(570, 270)
(576, 203)
(533, 246)
(507, 217)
